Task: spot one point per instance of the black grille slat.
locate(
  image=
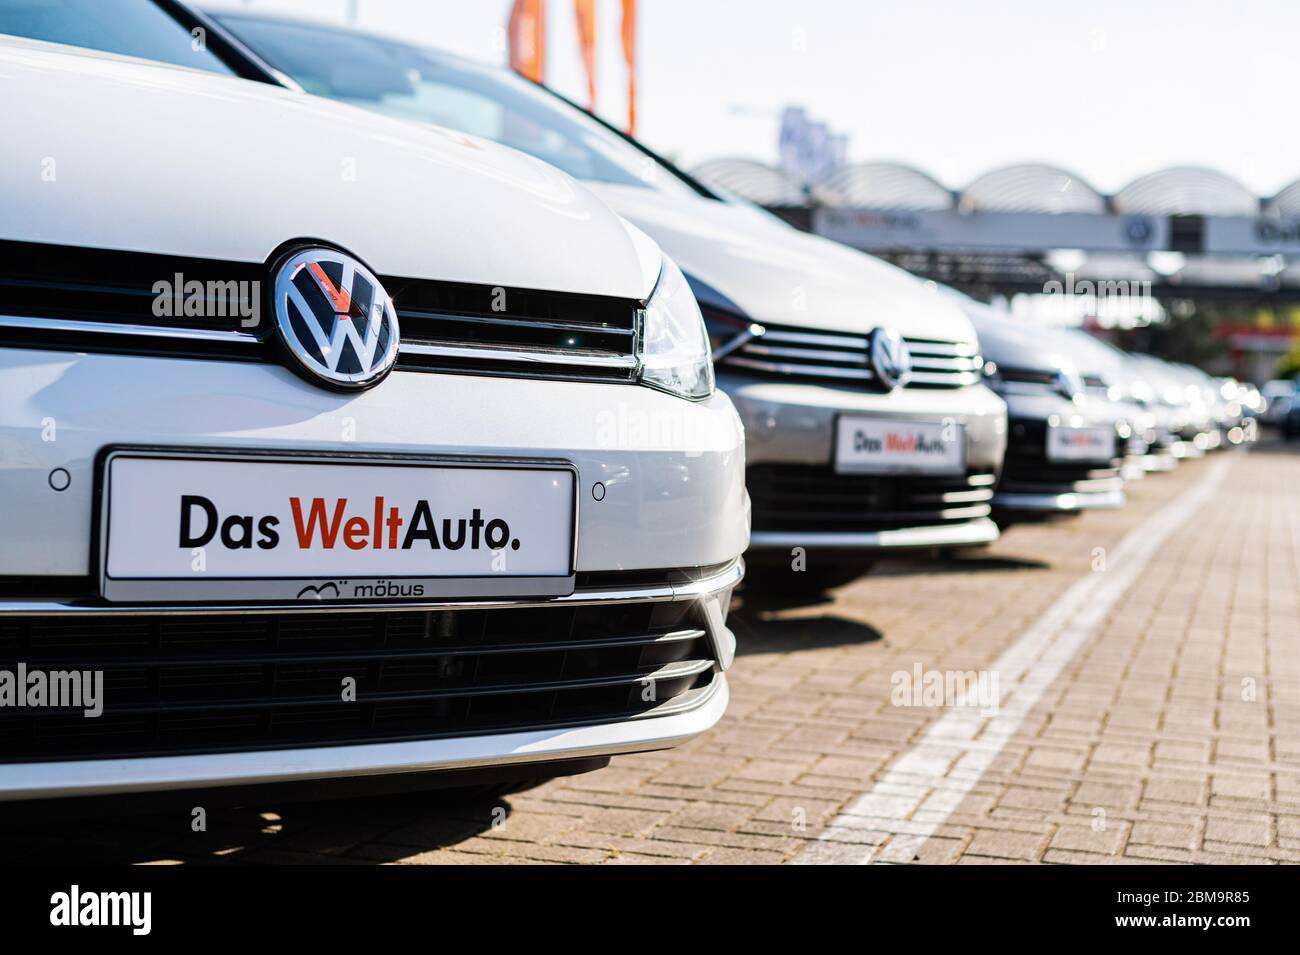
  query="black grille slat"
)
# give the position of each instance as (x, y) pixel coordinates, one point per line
(194, 683)
(816, 499)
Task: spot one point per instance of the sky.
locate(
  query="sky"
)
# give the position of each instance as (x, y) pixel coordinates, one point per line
(1109, 89)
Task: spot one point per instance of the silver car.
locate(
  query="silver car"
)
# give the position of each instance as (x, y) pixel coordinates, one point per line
(869, 429)
(298, 490)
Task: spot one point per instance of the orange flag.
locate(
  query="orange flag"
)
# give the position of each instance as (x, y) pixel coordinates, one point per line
(526, 31)
(629, 54)
(584, 12)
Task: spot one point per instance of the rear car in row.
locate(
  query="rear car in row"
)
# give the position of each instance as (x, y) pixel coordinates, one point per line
(1065, 445)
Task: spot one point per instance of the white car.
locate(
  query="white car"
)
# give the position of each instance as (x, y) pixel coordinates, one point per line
(869, 428)
(334, 448)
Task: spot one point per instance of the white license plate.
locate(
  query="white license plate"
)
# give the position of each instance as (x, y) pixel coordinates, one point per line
(220, 528)
(1080, 444)
(880, 446)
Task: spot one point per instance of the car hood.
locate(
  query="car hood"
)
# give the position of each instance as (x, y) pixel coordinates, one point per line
(1014, 344)
(126, 154)
(774, 273)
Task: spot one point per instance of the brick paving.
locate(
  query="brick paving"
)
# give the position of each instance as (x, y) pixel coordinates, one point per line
(1172, 736)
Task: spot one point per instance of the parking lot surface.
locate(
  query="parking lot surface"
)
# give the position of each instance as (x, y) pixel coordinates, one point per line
(1165, 726)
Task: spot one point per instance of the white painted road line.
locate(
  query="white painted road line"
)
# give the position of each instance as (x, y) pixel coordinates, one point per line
(927, 783)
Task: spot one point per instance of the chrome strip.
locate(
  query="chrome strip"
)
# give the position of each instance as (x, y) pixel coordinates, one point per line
(947, 349)
(944, 378)
(979, 531)
(1016, 501)
(497, 321)
(973, 496)
(810, 371)
(540, 356)
(934, 363)
(857, 342)
(690, 590)
(814, 354)
(112, 328)
(95, 777)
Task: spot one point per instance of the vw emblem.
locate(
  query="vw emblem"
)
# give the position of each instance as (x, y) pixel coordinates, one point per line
(889, 358)
(335, 318)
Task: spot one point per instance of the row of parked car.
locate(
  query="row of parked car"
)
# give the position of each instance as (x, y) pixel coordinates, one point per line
(417, 437)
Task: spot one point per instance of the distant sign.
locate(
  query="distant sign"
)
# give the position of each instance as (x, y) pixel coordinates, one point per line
(808, 149)
(991, 231)
(1239, 235)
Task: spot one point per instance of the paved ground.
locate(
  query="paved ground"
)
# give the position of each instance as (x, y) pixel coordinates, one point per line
(1168, 729)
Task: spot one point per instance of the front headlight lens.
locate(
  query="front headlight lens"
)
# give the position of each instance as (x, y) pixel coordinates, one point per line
(674, 345)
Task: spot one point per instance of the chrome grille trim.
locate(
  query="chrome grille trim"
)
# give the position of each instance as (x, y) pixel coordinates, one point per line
(724, 578)
(141, 331)
(785, 351)
(778, 368)
(532, 356)
(70, 298)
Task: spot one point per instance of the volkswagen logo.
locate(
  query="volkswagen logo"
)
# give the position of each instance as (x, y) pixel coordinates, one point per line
(889, 358)
(335, 319)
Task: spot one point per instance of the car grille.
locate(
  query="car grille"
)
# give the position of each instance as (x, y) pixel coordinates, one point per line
(1026, 470)
(789, 497)
(102, 300)
(789, 351)
(191, 683)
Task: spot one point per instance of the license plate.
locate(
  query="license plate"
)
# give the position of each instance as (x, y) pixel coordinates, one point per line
(223, 528)
(1080, 444)
(879, 446)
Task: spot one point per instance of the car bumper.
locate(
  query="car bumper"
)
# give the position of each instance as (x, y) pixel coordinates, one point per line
(790, 429)
(106, 777)
(1033, 484)
(656, 560)
(672, 471)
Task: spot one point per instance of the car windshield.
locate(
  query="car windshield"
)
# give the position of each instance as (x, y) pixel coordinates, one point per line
(129, 27)
(412, 83)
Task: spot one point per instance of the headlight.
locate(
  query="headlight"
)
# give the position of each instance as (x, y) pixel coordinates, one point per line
(992, 376)
(728, 333)
(674, 346)
(1068, 384)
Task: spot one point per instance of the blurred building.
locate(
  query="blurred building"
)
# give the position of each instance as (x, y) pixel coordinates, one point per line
(1061, 249)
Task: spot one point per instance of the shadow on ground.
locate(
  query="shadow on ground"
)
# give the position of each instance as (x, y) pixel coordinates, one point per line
(758, 632)
(357, 831)
(972, 563)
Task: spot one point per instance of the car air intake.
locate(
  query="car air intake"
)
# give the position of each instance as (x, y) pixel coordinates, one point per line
(789, 497)
(213, 681)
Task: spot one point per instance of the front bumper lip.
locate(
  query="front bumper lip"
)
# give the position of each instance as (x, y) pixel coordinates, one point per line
(716, 582)
(100, 777)
(97, 777)
(981, 531)
(1067, 502)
